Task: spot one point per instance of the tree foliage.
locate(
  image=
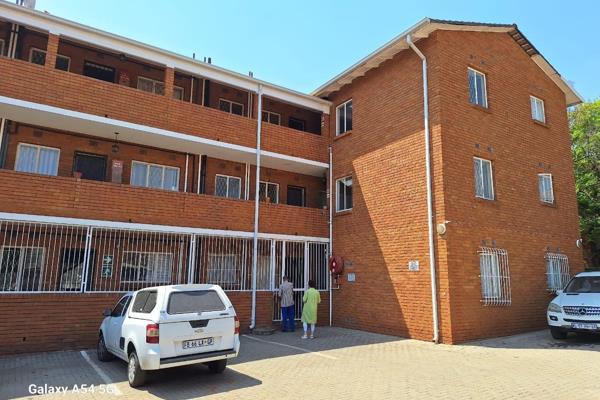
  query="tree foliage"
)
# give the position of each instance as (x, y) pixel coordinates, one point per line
(584, 121)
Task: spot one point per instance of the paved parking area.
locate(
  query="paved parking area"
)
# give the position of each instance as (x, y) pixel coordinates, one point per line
(340, 363)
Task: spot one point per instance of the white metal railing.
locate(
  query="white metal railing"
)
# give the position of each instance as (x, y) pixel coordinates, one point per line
(495, 277)
(51, 254)
(557, 271)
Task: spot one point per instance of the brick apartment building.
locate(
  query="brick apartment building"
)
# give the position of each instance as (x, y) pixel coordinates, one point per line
(125, 166)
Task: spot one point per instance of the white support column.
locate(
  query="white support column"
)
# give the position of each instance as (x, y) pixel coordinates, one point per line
(306, 264)
(86, 259)
(185, 183)
(2, 128)
(192, 260)
(247, 182)
(199, 173)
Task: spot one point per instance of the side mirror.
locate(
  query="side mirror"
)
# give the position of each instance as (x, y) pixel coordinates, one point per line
(559, 292)
(107, 312)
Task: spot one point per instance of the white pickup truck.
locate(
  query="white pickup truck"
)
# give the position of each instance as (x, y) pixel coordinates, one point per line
(170, 326)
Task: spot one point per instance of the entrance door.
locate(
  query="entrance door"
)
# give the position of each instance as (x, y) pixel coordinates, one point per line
(290, 262)
(91, 166)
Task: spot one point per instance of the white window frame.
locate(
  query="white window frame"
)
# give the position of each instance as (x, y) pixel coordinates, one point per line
(494, 276)
(229, 177)
(534, 102)
(344, 105)
(543, 197)
(68, 62)
(1, 47)
(20, 267)
(31, 50)
(269, 114)
(480, 172)
(485, 98)
(148, 165)
(37, 158)
(230, 102)
(557, 271)
(266, 191)
(155, 84)
(138, 267)
(337, 194)
(180, 89)
(223, 273)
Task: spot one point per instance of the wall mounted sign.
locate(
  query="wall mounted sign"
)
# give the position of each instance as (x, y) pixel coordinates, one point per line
(413, 265)
(107, 266)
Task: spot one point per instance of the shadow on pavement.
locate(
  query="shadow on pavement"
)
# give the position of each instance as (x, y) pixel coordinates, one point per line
(541, 340)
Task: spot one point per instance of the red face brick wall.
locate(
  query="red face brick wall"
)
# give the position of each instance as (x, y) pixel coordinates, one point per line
(311, 119)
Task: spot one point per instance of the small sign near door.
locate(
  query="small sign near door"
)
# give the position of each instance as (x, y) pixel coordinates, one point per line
(413, 265)
(107, 266)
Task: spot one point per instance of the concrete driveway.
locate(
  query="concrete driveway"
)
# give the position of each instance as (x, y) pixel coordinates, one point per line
(340, 363)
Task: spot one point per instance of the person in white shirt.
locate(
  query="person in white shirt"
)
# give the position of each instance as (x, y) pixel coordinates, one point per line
(286, 294)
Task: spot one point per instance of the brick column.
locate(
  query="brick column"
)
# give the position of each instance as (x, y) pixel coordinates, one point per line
(52, 50)
(169, 81)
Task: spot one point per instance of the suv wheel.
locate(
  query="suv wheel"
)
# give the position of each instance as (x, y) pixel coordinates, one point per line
(135, 374)
(217, 367)
(101, 350)
(558, 333)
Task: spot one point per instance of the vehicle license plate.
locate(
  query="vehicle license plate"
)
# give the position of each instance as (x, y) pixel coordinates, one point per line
(583, 325)
(192, 344)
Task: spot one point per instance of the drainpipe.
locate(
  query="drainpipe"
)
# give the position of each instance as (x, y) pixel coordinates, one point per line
(330, 232)
(434, 299)
(256, 203)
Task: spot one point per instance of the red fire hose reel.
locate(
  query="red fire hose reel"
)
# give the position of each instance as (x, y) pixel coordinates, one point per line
(336, 265)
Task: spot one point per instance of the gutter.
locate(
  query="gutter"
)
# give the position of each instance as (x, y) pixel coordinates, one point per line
(434, 294)
(256, 205)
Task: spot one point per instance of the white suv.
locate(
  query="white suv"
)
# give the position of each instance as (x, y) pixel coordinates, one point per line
(169, 326)
(577, 307)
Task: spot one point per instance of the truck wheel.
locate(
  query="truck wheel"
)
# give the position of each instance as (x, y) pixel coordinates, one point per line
(101, 350)
(217, 367)
(558, 333)
(135, 374)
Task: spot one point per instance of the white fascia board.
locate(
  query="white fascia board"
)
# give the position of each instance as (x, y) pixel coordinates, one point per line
(120, 44)
(95, 223)
(572, 97)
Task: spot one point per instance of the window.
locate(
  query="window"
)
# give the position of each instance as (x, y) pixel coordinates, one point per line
(146, 267)
(1, 47)
(557, 271)
(62, 62)
(271, 117)
(150, 85)
(484, 184)
(296, 196)
(344, 118)
(231, 107)
(270, 191)
(228, 186)
(222, 269)
(21, 268)
(297, 124)
(477, 89)
(537, 109)
(97, 71)
(145, 301)
(344, 193)
(583, 284)
(37, 56)
(197, 301)
(494, 275)
(154, 176)
(178, 93)
(71, 269)
(121, 306)
(37, 159)
(545, 187)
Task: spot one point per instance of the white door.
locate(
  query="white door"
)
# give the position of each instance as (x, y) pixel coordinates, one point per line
(115, 324)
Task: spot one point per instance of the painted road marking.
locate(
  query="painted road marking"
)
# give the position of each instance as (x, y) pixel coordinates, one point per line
(103, 376)
(316, 353)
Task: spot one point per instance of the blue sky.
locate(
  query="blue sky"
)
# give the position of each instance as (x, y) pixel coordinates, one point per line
(302, 44)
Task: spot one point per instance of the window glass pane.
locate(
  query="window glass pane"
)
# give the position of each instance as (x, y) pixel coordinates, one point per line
(159, 268)
(138, 174)
(275, 119)
(349, 116)
(171, 181)
(62, 63)
(221, 186)
(31, 268)
(478, 177)
(129, 267)
(273, 192)
(38, 57)
(472, 87)
(265, 116)
(145, 84)
(344, 194)
(27, 159)
(48, 162)
(341, 119)
(234, 188)
(237, 109)
(159, 88)
(295, 196)
(348, 193)
(140, 301)
(224, 105)
(486, 169)
(9, 268)
(194, 302)
(178, 93)
(155, 177)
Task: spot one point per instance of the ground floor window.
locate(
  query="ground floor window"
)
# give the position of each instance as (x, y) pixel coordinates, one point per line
(146, 267)
(494, 275)
(222, 269)
(21, 268)
(557, 271)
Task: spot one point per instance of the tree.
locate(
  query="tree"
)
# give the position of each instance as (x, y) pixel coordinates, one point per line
(584, 121)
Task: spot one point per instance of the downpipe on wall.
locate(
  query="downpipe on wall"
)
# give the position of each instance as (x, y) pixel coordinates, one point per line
(434, 291)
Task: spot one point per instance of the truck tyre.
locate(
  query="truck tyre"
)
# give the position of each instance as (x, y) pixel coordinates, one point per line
(101, 350)
(217, 367)
(558, 333)
(135, 374)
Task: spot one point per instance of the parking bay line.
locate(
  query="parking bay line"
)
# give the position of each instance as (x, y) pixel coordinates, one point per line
(316, 353)
(101, 373)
